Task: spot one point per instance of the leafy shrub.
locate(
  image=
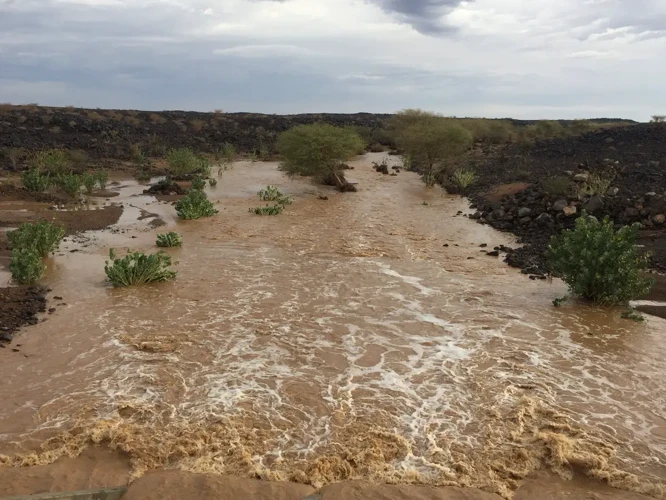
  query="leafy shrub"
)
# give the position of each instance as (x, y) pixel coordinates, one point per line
(463, 178)
(54, 161)
(558, 185)
(170, 239)
(228, 153)
(269, 193)
(317, 150)
(26, 266)
(102, 178)
(136, 154)
(89, 182)
(182, 162)
(598, 263)
(137, 268)
(195, 205)
(212, 182)
(69, 184)
(198, 182)
(268, 210)
(203, 167)
(43, 237)
(34, 181)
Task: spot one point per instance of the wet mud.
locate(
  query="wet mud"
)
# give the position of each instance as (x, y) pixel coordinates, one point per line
(363, 337)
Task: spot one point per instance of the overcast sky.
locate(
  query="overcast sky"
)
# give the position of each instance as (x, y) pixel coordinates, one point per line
(495, 58)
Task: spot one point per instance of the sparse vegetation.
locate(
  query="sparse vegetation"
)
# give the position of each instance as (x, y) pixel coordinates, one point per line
(269, 193)
(268, 210)
(53, 161)
(598, 184)
(42, 237)
(599, 263)
(34, 181)
(14, 155)
(195, 205)
(102, 178)
(136, 155)
(558, 185)
(142, 175)
(198, 182)
(137, 268)
(183, 162)
(26, 266)
(171, 239)
(212, 181)
(633, 315)
(658, 119)
(318, 150)
(69, 184)
(89, 182)
(462, 178)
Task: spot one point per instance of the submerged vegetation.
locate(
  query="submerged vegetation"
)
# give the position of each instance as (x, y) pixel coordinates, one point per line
(195, 205)
(43, 237)
(137, 268)
(26, 266)
(171, 239)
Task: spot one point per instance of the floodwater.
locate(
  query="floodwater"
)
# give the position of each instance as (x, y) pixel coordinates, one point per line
(339, 340)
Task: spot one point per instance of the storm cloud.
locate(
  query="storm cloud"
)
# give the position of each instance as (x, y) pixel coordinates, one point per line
(571, 58)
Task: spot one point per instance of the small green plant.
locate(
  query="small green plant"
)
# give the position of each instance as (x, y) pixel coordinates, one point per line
(558, 301)
(183, 162)
(137, 268)
(26, 266)
(269, 193)
(198, 182)
(633, 315)
(34, 181)
(195, 205)
(463, 178)
(142, 175)
(168, 240)
(102, 178)
(599, 263)
(136, 154)
(69, 184)
(212, 181)
(43, 237)
(425, 203)
(89, 182)
(228, 153)
(204, 167)
(268, 210)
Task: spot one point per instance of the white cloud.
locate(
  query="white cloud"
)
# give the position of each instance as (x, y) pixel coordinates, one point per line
(569, 58)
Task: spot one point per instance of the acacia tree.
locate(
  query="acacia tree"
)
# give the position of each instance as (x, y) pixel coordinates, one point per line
(318, 151)
(429, 140)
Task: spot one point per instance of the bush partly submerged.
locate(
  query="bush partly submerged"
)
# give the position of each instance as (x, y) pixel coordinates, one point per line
(171, 239)
(42, 237)
(195, 205)
(137, 268)
(26, 266)
(599, 263)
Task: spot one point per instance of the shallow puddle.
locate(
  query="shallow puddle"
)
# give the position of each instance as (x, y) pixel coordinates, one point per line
(341, 339)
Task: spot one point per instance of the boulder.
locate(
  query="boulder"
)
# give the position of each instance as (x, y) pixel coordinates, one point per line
(570, 210)
(559, 205)
(612, 191)
(582, 177)
(476, 215)
(631, 213)
(659, 219)
(524, 212)
(525, 220)
(594, 204)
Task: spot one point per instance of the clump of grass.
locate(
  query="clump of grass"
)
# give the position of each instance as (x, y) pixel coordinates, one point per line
(227, 154)
(598, 184)
(34, 181)
(42, 237)
(212, 182)
(633, 315)
(168, 240)
(463, 178)
(69, 184)
(198, 182)
(137, 268)
(102, 178)
(142, 175)
(204, 167)
(136, 154)
(268, 210)
(54, 161)
(89, 182)
(26, 266)
(195, 205)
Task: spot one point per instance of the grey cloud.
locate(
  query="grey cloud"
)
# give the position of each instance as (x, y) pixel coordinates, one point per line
(425, 16)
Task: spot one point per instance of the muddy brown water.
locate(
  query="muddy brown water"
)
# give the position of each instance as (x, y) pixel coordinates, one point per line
(339, 340)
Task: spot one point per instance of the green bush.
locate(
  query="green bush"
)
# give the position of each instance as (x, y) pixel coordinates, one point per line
(53, 161)
(599, 263)
(198, 182)
(462, 178)
(212, 182)
(195, 205)
(34, 181)
(142, 175)
(268, 210)
(137, 268)
(171, 239)
(269, 193)
(136, 155)
(26, 266)
(317, 150)
(69, 184)
(42, 237)
(228, 153)
(183, 162)
(102, 178)
(89, 182)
